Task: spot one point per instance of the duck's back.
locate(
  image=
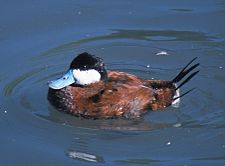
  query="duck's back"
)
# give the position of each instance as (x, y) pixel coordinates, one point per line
(122, 95)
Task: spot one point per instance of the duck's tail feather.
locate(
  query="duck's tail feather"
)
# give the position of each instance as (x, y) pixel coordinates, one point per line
(184, 72)
(187, 79)
(178, 97)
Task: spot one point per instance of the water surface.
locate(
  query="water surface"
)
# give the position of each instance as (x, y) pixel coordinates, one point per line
(38, 39)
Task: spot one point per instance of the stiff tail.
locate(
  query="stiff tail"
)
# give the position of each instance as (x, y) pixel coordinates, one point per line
(184, 72)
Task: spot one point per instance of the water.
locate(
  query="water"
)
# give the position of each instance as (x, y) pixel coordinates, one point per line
(38, 39)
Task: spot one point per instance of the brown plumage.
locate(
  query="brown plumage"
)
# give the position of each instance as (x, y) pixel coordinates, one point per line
(119, 94)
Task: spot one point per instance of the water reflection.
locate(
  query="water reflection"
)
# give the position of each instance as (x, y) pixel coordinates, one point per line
(151, 35)
(144, 35)
(118, 124)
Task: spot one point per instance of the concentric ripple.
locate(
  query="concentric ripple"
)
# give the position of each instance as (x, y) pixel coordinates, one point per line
(29, 88)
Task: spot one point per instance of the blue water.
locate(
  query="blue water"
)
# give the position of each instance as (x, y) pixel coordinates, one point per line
(38, 39)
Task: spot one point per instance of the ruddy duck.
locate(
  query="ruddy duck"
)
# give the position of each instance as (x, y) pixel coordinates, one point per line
(89, 90)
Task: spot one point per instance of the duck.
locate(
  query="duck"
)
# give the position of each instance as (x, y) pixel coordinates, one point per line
(89, 90)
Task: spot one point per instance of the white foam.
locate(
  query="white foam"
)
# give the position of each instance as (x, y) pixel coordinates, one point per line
(85, 77)
(168, 143)
(83, 156)
(176, 103)
(162, 53)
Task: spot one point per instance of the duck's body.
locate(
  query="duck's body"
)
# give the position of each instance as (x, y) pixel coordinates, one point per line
(117, 95)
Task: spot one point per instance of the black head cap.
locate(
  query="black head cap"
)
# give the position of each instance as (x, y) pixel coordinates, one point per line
(86, 61)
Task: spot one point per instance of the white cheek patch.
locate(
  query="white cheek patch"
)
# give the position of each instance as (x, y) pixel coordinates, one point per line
(85, 77)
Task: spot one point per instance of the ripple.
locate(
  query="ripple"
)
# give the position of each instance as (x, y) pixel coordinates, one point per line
(121, 48)
(130, 36)
(182, 10)
(211, 158)
(29, 90)
(14, 83)
(138, 161)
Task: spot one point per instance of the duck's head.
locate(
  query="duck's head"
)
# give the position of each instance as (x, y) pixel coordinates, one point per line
(84, 69)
